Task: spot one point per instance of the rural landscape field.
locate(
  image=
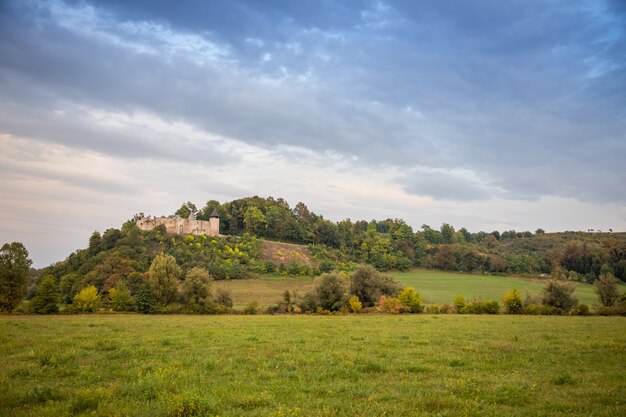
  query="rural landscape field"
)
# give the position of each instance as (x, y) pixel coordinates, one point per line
(279, 208)
(436, 365)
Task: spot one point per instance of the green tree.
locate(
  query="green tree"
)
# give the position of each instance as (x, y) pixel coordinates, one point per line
(254, 220)
(120, 298)
(369, 285)
(355, 304)
(164, 273)
(47, 298)
(330, 289)
(145, 299)
(14, 272)
(607, 290)
(559, 296)
(197, 287)
(186, 209)
(95, 243)
(87, 300)
(411, 300)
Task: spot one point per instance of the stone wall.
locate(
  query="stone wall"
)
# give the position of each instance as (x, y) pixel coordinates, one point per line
(179, 226)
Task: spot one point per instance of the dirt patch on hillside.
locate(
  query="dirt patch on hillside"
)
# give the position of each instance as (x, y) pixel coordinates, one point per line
(285, 253)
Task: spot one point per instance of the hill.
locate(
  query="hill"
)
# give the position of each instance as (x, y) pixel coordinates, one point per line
(266, 236)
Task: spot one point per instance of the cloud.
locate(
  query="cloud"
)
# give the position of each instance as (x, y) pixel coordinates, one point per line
(444, 105)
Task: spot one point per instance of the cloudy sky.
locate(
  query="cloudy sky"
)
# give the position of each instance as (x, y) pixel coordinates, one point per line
(486, 114)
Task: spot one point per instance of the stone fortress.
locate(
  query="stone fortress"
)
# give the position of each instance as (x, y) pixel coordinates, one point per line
(179, 226)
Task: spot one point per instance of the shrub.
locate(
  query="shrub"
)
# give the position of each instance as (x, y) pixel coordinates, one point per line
(582, 310)
(433, 309)
(87, 300)
(411, 300)
(224, 297)
(355, 305)
(512, 301)
(483, 307)
(251, 308)
(459, 304)
(391, 305)
(607, 290)
(47, 298)
(559, 296)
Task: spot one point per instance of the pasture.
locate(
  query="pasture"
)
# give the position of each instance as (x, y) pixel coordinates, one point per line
(435, 287)
(374, 365)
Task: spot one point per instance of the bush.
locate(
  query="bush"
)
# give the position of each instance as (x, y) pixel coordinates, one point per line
(483, 307)
(355, 305)
(391, 305)
(47, 298)
(224, 297)
(411, 300)
(433, 309)
(582, 310)
(459, 304)
(559, 296)
(607, 290)
(87, 300)
(512, 301)
(251, 308)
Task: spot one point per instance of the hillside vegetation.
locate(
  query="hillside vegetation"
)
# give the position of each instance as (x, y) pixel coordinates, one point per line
(266, 236)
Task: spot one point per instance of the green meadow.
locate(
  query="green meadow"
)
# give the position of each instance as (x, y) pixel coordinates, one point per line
(435, 287)
(440, 287)
(373, 365)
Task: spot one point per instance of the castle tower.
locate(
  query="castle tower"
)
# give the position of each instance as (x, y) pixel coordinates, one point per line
(214, 223)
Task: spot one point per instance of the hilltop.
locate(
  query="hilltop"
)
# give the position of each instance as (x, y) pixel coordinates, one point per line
(266, 235)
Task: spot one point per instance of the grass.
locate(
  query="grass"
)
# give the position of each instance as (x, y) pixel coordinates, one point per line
(448, 365)
(266, 290)
(440, 287)
(435, 287)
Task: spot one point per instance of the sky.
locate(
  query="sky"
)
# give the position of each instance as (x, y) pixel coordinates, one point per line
(488, 115)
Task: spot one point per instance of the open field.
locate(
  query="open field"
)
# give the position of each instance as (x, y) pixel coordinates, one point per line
(436, 287)
(448, 365)
(441, 287)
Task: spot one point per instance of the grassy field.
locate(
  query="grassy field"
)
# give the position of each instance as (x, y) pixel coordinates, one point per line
(436, 287)
(375, 365)
(441, 287)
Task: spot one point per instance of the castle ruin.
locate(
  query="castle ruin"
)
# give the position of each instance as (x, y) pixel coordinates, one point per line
(179, 226)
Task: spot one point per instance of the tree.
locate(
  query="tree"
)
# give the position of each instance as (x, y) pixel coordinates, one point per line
(121, 299)
(607, 290)
(197, 286)
(447, 233)
(145, 299)
(14, 272)
(87, 300)
(329, 290)
(368, 284)
(47, 298)
(254, 220)
(355, 305)
(559, 296)
(95, 243)
(186, 209)
(540, 231)
(164, 273)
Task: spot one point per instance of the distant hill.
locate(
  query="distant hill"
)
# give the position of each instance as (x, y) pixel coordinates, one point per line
(266, 235)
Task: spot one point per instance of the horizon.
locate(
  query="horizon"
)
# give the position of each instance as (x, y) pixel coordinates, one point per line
(488, 116)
